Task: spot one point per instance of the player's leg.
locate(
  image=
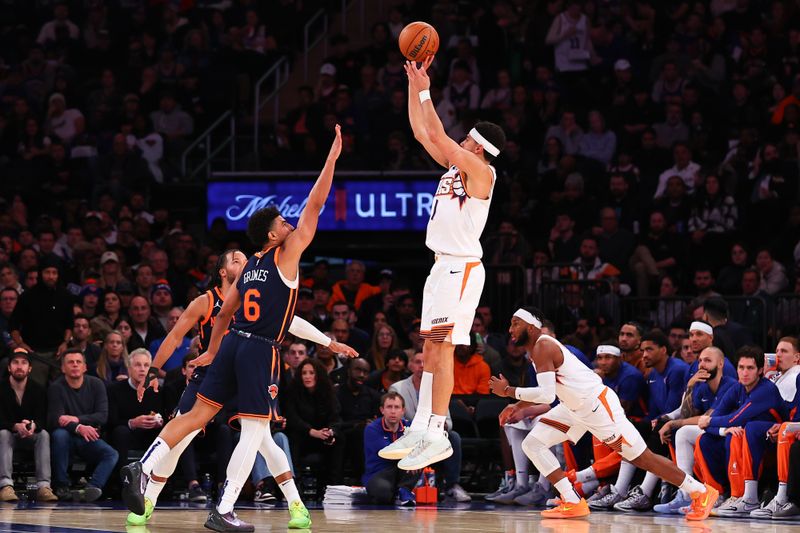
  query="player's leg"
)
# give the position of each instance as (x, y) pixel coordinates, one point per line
(746, 456)
(278, 463)
(785, 441)
(515, 437)
(554, 428)
(684, 440)
(791, 509)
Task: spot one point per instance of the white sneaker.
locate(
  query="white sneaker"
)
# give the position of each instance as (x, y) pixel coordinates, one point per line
(402, 446)
(737, 507)
(425, 453)
(457, 493)
(766, 510)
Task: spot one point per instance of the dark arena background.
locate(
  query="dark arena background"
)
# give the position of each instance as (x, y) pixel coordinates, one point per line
(648, 185)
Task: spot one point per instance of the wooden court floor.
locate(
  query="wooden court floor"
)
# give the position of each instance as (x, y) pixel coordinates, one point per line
(476, 517)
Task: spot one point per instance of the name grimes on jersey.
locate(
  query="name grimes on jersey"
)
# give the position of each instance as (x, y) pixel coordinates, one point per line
(255, 275)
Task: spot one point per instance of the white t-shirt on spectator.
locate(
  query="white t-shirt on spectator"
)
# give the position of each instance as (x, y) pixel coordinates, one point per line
(688, 174)
(64, 125)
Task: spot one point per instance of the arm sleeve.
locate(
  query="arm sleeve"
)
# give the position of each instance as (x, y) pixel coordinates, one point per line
(545, 393)
(305, 330)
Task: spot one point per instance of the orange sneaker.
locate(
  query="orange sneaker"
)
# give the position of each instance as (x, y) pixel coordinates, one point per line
(567, 510)
(702, 503)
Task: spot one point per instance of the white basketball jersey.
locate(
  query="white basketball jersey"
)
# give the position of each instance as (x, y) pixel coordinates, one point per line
(572, 54)
(457, 219)
(575, 382)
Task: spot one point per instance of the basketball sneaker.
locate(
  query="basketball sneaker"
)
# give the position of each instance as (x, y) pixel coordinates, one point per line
(737, 507)
(509, 497)
(636, 501)
(299, 517)
(702, 503)
(226, 522)
(607, 502)
(787, 510)
(133, 484)
(537, 496)
(141, 519)
(567, 510)
(506, 484)
(766, 510)
(674, 506)
(425, 453)
(402, 446)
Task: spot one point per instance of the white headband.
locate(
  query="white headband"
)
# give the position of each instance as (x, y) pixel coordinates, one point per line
(528, 317)
(608, 349)
(701, 326)
(480, 139)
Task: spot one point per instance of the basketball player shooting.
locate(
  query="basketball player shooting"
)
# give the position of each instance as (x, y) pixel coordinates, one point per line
(585, 405)
(453, 288)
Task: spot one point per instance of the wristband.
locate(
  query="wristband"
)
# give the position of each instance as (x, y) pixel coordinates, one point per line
(152, 374)
(424, 95)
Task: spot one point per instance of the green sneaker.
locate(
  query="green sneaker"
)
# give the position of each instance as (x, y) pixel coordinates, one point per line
(141, 519)
(299, 516)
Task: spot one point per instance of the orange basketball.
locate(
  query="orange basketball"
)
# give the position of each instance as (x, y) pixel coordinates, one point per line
(418, 40)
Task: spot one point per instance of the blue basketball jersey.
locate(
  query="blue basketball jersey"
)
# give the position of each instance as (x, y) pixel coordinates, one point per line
(267, 302)
(215, 300)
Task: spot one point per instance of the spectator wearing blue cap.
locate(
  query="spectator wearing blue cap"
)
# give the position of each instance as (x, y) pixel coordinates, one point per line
(161, 300)
(89, 298)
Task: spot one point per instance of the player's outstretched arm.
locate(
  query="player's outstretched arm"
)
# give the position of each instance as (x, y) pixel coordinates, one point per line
(475, 173)
(306, 330)
(301, 237)
(190, 317)
(418, 126)
(223, 320)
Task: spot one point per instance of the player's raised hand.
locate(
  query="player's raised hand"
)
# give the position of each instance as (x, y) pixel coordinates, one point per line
(336, 146)
(342, 349)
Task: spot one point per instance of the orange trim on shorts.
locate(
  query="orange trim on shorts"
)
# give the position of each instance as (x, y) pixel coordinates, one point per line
(602, 398)
(702, 467)
(736, 465)
(555, 424)
(205, 400)
(467, 271)
(784, 445)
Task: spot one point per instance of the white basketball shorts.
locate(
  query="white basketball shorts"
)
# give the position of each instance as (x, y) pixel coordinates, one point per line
(451, 295)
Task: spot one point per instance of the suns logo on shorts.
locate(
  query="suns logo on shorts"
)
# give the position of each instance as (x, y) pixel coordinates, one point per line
(273, 391)
(452, 186)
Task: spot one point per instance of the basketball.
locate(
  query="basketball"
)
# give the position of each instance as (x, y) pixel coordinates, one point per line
(418, 40)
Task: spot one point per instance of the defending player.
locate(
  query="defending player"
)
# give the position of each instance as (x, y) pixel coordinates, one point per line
(263, 298)
(453, 288)
(586, 405)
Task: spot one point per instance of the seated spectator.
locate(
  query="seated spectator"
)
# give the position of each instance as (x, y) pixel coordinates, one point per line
(112, 362)
(110, 271)
(773, 274)
(490, 355)
(171, 121)
(348, 334)
(396, 361)
(352, 289)
(752, 311)
(181, 349)
(462, 91)
(657, 254)
(470, 372)
(729, 280)
(22, 425)
(312, 419)
(65, 124)
(161, 302)
(713, 214)
(598, 144)
(385, 483)
(88, 299)
(383, 341)
(683, 167)
(588, 265)
(359, 407)
(49, 33)
(616, 243)
(673, 129)
(134, 424)
(507, 247)
(567, 132)
(670, 307)
(330, 362)
(146, 328)
(109, 315)
(81, 339)
(292, 357)
(77, 409)
(564, 244)
(8, 301)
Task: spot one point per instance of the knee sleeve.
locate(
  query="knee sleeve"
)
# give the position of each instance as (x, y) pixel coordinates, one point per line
(540, 455)
(276, 460)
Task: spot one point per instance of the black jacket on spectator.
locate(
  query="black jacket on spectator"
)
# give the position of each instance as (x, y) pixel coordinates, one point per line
(34, 405)
(155, 331)
(723, 341)
(42, 315)
(89, 403)
(123, 405)
(358, 407)
(304, 412)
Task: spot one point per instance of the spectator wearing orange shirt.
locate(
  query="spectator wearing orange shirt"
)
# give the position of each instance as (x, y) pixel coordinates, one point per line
(471, 373)
(352, 288)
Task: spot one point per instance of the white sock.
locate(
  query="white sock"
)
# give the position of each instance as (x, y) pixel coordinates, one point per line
(626, 473)
(278, 464)
(154, 454)
(567, 491)
(425, 403)
(515, 437)
(436, 427)
(586, 475)
(544, 482)
(589, 487)
(649, 484)
(154, 489)
(169, 462)
(685, 438)
(782, 497)
(241, 462)
(751, 491)
(691, 485)
(289, 490)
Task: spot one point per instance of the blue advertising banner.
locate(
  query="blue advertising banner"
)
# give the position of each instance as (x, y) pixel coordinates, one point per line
(353, 205)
